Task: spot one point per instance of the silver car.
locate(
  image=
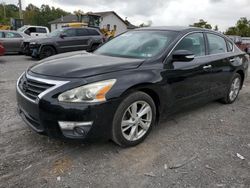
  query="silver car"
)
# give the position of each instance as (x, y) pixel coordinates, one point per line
(12, 40)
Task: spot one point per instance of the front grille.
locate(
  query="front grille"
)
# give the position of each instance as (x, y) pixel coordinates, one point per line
(32, 88)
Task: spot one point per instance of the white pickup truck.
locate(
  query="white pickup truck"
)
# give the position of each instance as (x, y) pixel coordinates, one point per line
(34, 31)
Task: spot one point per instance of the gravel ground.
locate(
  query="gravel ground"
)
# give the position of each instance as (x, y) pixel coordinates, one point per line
(196, 148)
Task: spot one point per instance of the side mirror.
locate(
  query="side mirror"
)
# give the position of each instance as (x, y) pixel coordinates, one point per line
(62, 35)
(182, 55)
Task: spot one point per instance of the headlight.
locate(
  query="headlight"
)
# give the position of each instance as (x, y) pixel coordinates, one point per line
(88, 93)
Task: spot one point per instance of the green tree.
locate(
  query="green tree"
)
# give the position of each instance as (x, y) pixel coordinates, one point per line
(32, 14)
(148, 24)
(231, 31)
(41, 16)
(202, 24)
(11, 11)
(242, 28)
(216, 28)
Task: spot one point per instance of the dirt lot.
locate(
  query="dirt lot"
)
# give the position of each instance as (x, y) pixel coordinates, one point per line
(197, 148)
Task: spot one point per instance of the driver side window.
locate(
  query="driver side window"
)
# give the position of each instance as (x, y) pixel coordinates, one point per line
(193, 43)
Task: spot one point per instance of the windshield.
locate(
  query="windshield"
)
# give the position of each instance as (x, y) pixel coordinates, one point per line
(138, 44)
(21, 29)
(55, 33)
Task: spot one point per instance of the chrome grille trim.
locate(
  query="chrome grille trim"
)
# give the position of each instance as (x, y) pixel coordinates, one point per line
(55, 83)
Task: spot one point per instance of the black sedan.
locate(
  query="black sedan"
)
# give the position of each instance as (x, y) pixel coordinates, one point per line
(126, 86)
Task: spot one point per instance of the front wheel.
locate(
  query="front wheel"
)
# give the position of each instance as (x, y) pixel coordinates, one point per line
(47, 51)
(233, 90)
(133, 119)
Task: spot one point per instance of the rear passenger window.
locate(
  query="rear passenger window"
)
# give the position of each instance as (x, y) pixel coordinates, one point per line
(93, 32)
(1, 35)
(70, 32)
(216, 44)
(81, 32)
(230, 46)
(193, 43)
(41, 30)
(12, 35)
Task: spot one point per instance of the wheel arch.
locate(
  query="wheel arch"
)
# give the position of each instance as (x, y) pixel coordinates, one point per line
(149, 90)
(50, 45)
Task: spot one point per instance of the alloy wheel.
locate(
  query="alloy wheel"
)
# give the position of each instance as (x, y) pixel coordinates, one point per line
(235, 89)
(136, 120)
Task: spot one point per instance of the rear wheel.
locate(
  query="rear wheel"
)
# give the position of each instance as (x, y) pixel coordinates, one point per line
(47, 51)
(233, 90)
(133, 119)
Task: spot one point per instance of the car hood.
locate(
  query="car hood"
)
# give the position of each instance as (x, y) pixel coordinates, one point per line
(82, 64)
(37, 39)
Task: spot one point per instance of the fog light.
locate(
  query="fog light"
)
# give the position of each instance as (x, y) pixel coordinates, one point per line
(80, 131)
(70, 125)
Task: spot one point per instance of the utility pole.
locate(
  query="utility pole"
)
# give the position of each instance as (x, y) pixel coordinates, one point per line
(4, 11)
(20, 9)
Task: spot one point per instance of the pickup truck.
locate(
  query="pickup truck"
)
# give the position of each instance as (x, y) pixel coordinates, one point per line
(34, 31)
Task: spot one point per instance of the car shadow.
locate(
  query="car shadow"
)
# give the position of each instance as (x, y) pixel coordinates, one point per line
(163, 125)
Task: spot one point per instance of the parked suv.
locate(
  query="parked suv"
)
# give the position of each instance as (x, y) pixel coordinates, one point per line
(63, 40)
(34, 31)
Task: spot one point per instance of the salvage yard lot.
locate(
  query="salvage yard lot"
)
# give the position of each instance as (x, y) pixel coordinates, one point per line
(195, 148)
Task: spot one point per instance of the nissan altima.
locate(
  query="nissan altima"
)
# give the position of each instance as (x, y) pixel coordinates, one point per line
(126, 86)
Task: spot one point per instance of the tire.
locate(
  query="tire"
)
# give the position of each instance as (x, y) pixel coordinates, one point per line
(47, 51)
(93, 47)
(235, 85)
(122, 134)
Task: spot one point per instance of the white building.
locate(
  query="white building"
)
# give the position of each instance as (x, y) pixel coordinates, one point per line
(108, 19)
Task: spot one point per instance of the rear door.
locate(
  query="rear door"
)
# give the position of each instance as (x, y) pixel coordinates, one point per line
(189, 82)
(12, 41)
(220, 58)
(83, 38)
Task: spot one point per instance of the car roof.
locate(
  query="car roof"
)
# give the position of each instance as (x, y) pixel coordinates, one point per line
(181, 29)
(35, 26)
(8, 31)
(174, 28)
(13, 31)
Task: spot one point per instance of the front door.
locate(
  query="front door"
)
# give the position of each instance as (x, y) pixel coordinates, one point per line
(189, 82)
(68, 40)
(84, 38)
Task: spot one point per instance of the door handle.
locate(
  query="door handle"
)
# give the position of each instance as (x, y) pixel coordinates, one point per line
(232, 60)
(207, 67)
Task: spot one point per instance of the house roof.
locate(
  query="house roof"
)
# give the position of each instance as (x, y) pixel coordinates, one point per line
(73, 18)
(129, 25)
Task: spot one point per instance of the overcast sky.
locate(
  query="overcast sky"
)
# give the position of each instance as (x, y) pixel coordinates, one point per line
(224, 13)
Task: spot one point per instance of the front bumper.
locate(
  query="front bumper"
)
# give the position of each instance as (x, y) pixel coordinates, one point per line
(45, 114)
(25, 49)
(2, 51)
